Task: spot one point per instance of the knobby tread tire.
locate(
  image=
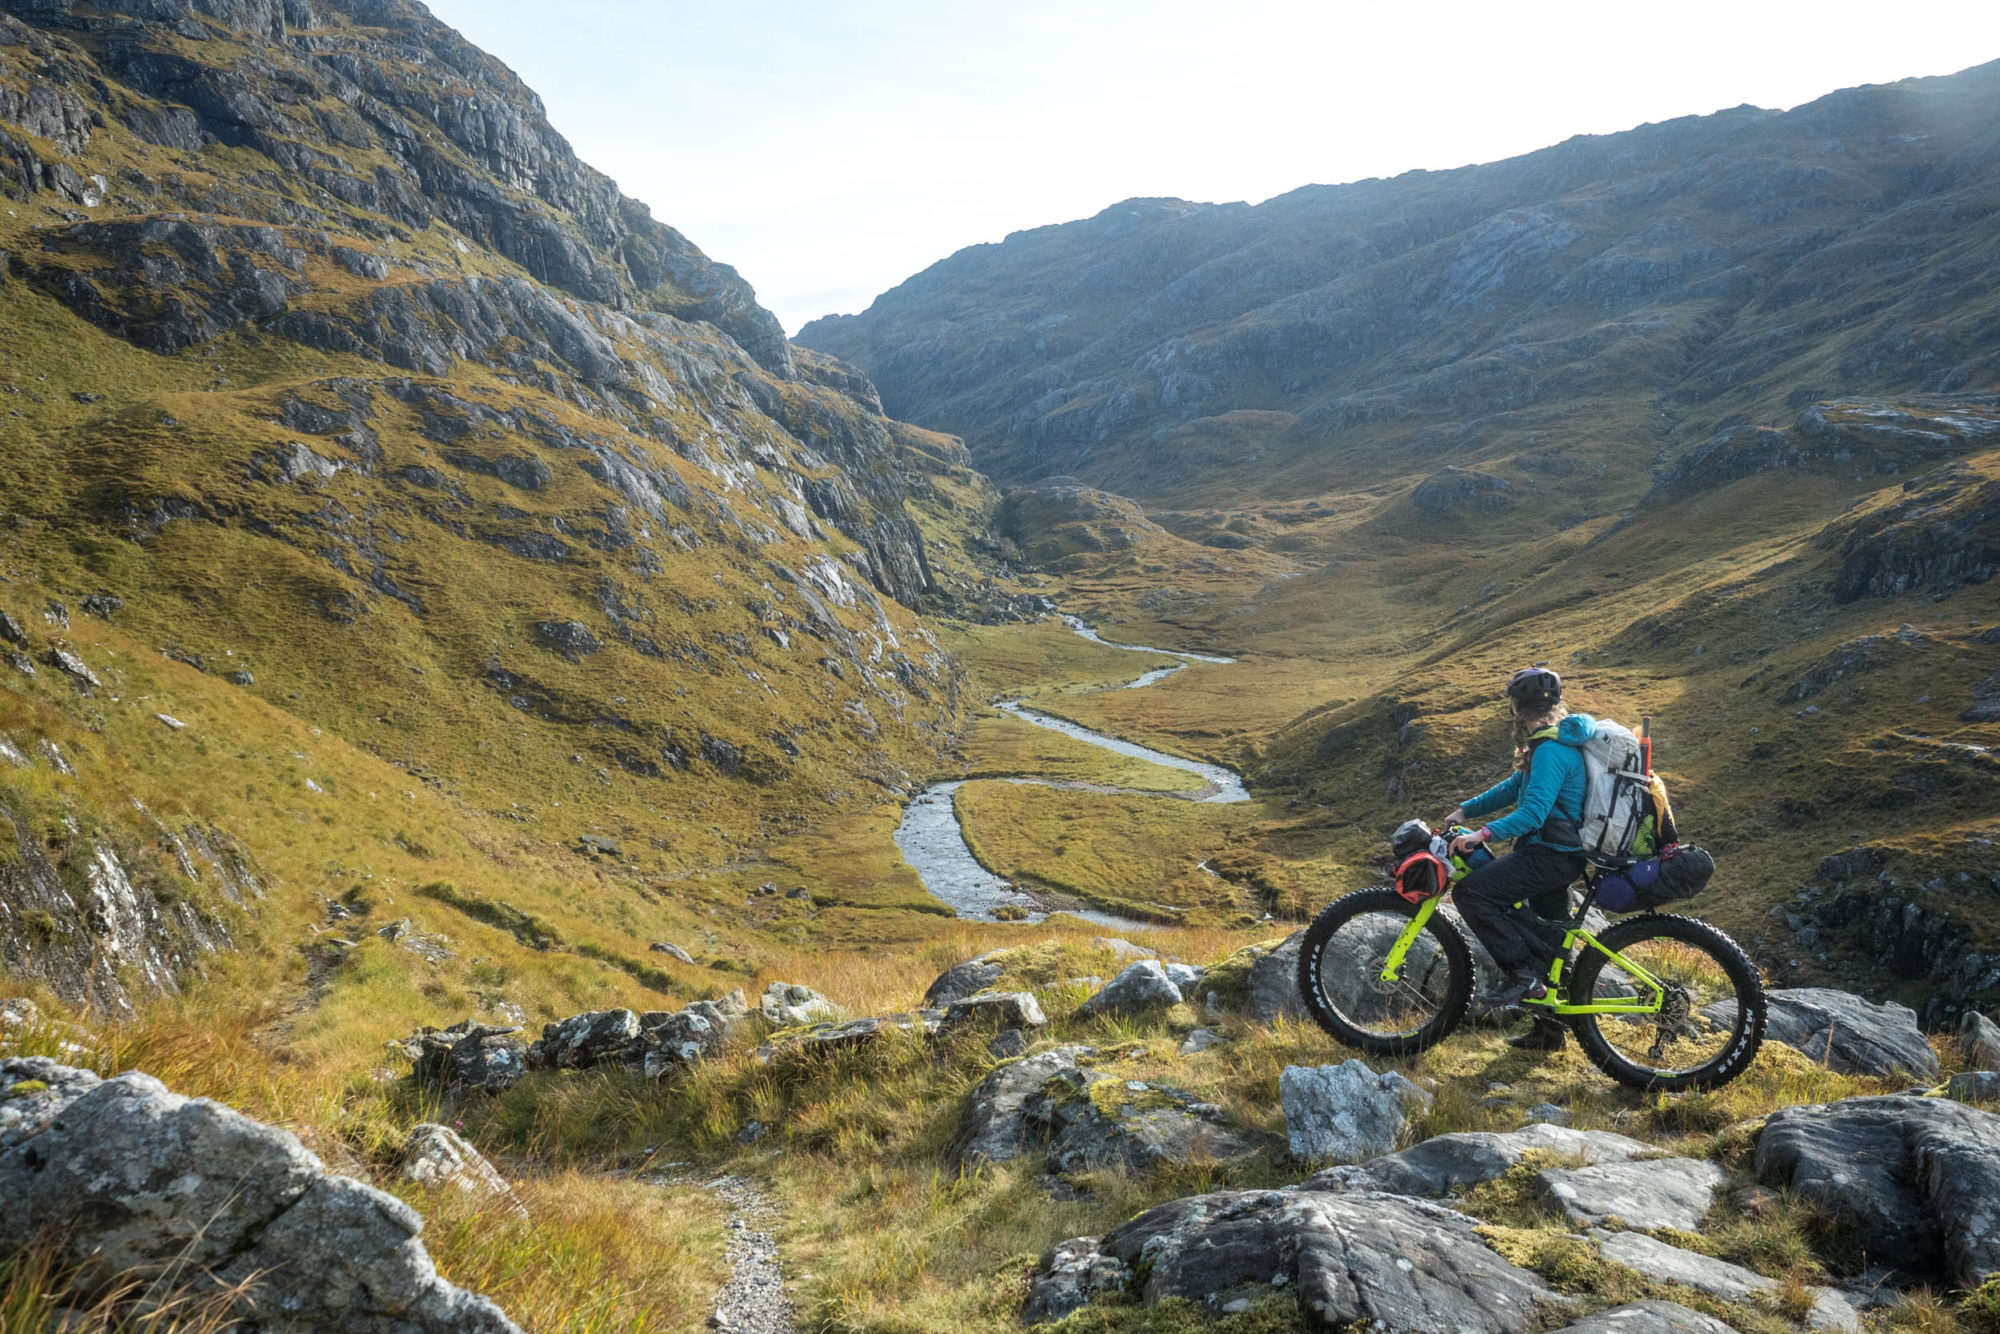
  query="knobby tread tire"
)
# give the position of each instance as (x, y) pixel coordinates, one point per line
(1457, 957)
(1751, 1008)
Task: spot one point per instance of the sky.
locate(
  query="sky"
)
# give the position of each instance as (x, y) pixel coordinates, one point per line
(831, 149)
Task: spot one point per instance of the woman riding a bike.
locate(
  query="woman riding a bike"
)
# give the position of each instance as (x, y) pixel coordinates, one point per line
(1513, 902)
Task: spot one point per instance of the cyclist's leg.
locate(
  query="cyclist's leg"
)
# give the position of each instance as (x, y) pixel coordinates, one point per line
(1486, 898)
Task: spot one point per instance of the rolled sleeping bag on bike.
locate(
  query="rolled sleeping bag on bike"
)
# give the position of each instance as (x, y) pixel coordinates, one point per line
(1422, 875)
(1681, 872)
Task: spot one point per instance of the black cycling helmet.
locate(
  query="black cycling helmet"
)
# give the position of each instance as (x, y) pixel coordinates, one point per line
(1535, 687)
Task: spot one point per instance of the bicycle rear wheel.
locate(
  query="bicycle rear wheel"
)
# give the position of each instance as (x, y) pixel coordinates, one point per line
(1342, 962)
(1710, 1019)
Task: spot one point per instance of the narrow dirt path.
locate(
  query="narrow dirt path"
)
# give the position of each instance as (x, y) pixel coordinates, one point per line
(753, 1301)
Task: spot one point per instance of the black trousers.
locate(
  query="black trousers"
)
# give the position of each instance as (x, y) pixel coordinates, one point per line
(1511, 901)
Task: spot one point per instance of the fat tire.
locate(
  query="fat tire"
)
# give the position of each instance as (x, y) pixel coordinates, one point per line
(1457, 957)
(1752, 1010)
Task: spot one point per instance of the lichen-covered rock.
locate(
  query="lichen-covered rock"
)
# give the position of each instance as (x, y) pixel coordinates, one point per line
(438, 1156)
(1346, 1112)
(962, 980)
(1009, 1009)
(598, 1037)
(133, 1181)
(1447, 1163)
(1382, 1262)
(995, 1127)
(1140, 987)
(1915, 1182)
(1070, 1274)
(466, 1057)
(788, 1005)
(1847, 1033)
(1093, 1120)
(1657, 1193)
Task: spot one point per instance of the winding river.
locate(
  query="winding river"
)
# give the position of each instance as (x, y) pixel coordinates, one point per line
(934, 845)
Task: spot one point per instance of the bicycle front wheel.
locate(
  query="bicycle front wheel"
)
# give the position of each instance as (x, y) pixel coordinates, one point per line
(1352, 990)
(1705, 1004)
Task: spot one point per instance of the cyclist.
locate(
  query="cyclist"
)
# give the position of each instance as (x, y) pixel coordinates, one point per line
(1511, 902)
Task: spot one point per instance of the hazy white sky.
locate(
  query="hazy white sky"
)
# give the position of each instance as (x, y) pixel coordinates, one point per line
(830, 149)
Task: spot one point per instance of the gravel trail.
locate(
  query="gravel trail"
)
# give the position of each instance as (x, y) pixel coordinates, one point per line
(753, 1301)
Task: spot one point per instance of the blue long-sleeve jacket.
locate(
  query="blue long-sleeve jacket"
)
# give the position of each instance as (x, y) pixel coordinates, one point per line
(1555, 786)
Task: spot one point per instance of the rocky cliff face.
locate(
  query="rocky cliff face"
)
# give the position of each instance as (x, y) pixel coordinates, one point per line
(1595, 303)
(330, 367)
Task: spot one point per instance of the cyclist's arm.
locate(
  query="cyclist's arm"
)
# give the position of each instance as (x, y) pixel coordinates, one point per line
(1501, 794)
(1538, 797)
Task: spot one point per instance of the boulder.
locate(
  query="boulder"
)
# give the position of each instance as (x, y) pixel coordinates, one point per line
(825, 1037)
(1142, 986)
(1122, 949)
(1365, 1261)
(1068, 1276)
(1184, 976)
(1201, 1040)
(1979, 1039)
(1647, 1318)
(1010, 1009)
(1718, 1278)
(1273, 988)
(1915, 1182)
(597, 1037)
(1660, 1192)
(1843, 1031)
(466, 1057)
(63, 660)
(1095, 1120)
(669, 1041)
(788, 1005)
(133, 1181)
(1347, 1111)
(995, 1127)
(962, 980)
(438, 1156)
(1009, 1044)
(671, 950)
(1447, 1163)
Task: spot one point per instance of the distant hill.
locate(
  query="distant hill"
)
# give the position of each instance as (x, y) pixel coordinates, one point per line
(1568, 321)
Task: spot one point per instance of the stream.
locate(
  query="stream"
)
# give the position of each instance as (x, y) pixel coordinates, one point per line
(934, 845)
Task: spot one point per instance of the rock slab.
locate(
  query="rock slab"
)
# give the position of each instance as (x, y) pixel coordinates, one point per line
(1717, 1278)
(1915, 1181)
(136, 1181)
(1647, 1318)
(1347, 1111)
(1447, 1163)
(1140, 987)
(1394, 1265)
(1844, 1032)
(1657, 1193)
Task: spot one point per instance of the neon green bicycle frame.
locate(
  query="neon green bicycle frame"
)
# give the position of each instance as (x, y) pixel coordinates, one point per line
(1558, 999)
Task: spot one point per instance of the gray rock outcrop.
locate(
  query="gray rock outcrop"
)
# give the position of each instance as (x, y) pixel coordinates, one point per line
(1444, 1164)
(467, 1057)
(1915, 1182)
(1718, 1278)
(1849, 1034)
(1647, 1318)
(1390, 1264)
(1009, 1009)
(437, 1156)
(1096, 1120)
(788, 1005)
(962, 980)
(598, 1037)
(1979, 1040)
(1658, 1193)
(133, 1181)
(995, 1127)
(1140, 987)
(1347, 1111)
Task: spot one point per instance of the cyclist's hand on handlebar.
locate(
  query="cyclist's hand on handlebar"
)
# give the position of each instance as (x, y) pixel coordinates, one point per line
(1467, 842)
(1457, 816)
